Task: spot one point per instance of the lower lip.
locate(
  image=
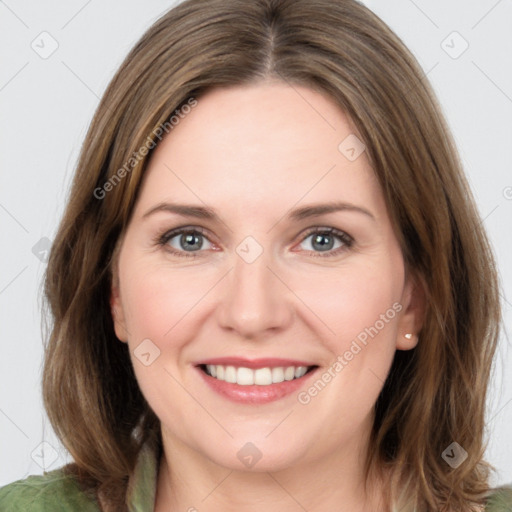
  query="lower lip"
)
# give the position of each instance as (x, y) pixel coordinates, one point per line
(255, 394)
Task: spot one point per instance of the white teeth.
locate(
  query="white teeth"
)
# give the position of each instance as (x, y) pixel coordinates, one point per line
(230, 374)
(245, 376)
(277, 375)
(289, 373)
(300, 371)
(261, 377)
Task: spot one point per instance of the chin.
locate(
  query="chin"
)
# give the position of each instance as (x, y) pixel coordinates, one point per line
(257, 457)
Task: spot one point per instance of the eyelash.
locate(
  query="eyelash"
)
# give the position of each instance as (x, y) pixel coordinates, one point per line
(163, 238)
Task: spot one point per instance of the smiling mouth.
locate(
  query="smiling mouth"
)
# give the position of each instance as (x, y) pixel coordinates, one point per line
(260, 377)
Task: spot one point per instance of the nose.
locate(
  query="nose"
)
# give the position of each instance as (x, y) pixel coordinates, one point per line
(254, 300)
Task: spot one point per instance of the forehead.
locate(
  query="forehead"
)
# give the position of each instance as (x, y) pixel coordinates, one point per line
(260, 146)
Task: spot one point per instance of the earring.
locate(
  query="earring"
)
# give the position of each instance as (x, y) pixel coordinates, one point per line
(408, 336)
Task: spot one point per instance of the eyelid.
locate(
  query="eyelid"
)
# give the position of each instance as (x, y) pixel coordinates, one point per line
(327, 229)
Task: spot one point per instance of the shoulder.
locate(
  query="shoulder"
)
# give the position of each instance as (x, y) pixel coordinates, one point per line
(500, 500)
(53, 491)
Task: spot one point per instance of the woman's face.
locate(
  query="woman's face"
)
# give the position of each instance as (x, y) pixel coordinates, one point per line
(266, 278)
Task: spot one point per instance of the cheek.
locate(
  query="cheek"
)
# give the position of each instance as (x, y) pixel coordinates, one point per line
(156, 300)
(158, 303)
(361, 309)
(354, 299)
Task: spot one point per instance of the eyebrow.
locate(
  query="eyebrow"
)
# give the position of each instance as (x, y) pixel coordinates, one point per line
(203, 212)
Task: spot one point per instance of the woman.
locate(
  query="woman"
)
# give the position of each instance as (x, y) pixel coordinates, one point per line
(270, 288)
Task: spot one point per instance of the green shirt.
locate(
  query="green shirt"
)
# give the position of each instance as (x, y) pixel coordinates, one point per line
(55, 492)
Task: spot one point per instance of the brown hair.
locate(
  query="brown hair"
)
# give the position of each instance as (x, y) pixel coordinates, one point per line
(343, 50)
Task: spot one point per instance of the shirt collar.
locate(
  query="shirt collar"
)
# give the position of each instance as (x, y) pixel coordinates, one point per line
(141, 492)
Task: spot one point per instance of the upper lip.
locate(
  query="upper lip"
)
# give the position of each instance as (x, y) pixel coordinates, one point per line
(266, 362)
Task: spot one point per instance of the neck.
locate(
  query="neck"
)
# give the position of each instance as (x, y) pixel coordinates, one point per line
(187, 481)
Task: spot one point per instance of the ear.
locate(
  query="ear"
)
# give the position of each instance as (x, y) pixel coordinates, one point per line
(413, 313)
(117, 311)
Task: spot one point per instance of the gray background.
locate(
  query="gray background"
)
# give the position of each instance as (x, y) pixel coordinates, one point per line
(47, 104)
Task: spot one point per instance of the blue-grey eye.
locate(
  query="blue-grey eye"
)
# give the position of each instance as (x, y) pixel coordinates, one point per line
(189, 241)
(326, 240)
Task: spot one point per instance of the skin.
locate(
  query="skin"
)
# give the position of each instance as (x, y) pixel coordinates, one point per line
(252, 153)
